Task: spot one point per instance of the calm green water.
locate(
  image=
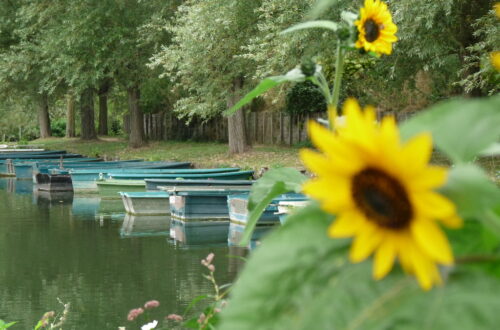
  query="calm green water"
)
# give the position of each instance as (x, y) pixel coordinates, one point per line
(54, 247)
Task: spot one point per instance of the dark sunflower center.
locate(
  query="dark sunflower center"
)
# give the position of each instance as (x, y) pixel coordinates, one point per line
(372, 30)
(381, 198)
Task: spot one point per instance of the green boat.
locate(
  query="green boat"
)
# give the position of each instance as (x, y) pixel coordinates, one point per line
(111, 188)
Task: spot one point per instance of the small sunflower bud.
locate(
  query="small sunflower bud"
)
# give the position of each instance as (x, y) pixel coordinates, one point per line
(308, 67)
(343, 33)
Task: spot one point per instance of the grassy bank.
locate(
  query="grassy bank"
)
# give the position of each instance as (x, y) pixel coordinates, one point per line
(201, 154)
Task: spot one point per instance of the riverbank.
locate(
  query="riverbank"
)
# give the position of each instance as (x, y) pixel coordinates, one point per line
(201, 154)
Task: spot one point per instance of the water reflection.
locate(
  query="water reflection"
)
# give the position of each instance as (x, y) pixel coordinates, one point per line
(193, 232)
(145, 225)
(53, 248)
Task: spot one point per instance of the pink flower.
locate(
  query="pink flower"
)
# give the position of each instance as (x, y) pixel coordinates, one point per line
(175, 317)
(211, 268)
(202, 318)
(134, 313)
(210, 258)
(151, 304)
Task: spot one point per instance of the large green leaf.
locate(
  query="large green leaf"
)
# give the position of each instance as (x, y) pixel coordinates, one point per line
(294, 75)
(474, 195)
(461, 128)
(300, 279)
(321, 24)
(273, 183)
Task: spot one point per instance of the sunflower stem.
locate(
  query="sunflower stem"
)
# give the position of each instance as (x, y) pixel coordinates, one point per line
(339, 70)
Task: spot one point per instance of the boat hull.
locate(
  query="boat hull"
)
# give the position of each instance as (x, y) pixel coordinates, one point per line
(146, 203)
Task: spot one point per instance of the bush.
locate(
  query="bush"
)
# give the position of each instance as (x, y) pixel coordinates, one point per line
(304, 98)
(116, 127)
(58, 127)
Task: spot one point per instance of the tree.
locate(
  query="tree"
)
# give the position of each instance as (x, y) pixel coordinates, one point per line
(205, 60)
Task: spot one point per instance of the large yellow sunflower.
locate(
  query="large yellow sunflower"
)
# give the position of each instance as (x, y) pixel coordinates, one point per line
(376, 31)
(495, 60)
(382, 192)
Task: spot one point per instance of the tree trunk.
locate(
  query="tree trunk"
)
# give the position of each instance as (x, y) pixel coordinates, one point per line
(136, 137)
(236, 123)
(70, 116)
(103, 114)
(43, 116)
(87, 115)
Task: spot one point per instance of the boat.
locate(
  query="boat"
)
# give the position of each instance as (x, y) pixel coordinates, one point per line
(202, 203)
(239, 175)
(7, 164)
(111, 188)
(73, 164)
(155, 184)
(238, 216)
(146, 203)
(84, 180)
(53, 183)
(23, 170)
(26, 154)
(286, 207)
(148, 171)
(144, 226)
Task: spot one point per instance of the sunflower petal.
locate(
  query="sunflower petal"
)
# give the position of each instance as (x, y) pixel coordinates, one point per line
(423, 269)
(334, 197)
(384, 259)
(417, 151)
(432, 205)
(432, 241)
(428, 178)
(364, 244)
(347, 224)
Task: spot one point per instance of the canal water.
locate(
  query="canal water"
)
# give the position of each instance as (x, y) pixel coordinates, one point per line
(79, 250)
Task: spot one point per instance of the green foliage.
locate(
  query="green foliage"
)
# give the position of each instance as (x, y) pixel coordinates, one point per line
(460, 128)
(300, 279)
(273, 183)
(58, 127)
(303, 98)
(116, 127)
(4, 325)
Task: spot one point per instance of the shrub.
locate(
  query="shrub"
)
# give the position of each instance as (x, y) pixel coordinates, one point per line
(303, 98)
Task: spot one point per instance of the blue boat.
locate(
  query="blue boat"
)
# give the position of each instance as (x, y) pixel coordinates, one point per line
(47, 168)
(239, 175)
(202, 203)
(35, 154)
(238, 215)
(146, 203)
(24, 170)
(155, 184)
(85, 180)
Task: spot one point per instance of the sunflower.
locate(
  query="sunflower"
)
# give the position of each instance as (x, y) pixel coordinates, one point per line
(376, 31)
(495, 60)
(382, 191)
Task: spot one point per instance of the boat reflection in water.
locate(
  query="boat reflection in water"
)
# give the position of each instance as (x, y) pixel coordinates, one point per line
(47, 198)
(141, 226)
(85, 206)
(193, 232)
(21, 187)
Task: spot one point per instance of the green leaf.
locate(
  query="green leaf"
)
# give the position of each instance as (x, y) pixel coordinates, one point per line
(492, 150)
(294, 75)
(322, 24)
(4, 325)
(461, 128)
(474, 195)
(320, 7)
(299, 278)
(349, 17)
(273, 183)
